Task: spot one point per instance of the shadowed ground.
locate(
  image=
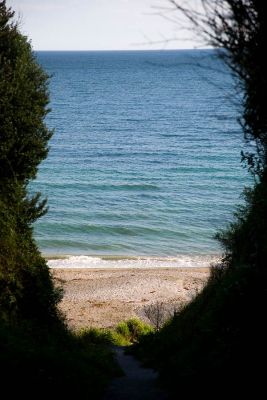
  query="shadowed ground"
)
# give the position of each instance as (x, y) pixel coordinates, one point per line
(138, 383)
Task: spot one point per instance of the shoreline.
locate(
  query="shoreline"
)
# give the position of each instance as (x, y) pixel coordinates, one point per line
(95, 297)
(128, 261)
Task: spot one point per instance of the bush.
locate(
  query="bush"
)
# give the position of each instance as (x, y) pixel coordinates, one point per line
(95, 336)
(124, 334)
(133, 329)
(38, 362)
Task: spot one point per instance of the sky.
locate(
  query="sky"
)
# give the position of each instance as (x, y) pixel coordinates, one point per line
(99, 25)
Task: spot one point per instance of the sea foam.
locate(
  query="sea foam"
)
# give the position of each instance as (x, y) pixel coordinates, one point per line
(181, 261)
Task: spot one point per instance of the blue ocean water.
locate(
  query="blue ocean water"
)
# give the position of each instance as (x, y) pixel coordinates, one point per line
(145, 158)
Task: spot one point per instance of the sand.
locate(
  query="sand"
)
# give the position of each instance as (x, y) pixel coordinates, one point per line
(104, 297)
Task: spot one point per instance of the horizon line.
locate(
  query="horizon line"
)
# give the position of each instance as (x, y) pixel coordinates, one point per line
(121, 50)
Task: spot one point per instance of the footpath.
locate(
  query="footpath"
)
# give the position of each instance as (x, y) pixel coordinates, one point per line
(137, 383)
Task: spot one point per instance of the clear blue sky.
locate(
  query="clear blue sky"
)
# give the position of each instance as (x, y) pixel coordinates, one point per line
(98, 25)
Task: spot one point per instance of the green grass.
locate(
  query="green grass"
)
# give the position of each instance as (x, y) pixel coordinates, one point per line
(124, 334)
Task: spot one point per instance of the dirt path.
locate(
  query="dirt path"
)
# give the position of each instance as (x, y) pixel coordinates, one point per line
(138, 383)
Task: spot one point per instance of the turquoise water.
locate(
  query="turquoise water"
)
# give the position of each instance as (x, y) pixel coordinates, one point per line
(145, 158)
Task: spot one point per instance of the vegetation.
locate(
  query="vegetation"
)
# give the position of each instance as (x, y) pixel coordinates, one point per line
(38, 355)
(124, 334)
(218, 340)
(37, 362)
(26, 285)
(159, 313)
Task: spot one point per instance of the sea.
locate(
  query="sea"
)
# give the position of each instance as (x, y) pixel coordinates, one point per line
(144, 164)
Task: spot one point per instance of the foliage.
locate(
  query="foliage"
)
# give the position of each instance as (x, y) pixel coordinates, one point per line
(27, 291)
(218, 340)
(132, 330)
(46, 362)
(38, 355)
(239, 28)
(159, 313)
(23, 100)
(245, 241)
(124, 334)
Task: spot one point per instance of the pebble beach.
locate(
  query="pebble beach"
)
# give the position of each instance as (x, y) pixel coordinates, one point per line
(104, 297)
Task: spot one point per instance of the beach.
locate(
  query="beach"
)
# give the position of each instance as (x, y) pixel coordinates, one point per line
(104, 297)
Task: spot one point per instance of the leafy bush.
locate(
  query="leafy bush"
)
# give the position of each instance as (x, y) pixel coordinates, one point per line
(124, 334)
(95, 336)
(133, 329)
(218, 338)
(40, 363)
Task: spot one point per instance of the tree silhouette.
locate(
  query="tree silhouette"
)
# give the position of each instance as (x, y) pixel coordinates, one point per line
(238, 28)
(26, 287)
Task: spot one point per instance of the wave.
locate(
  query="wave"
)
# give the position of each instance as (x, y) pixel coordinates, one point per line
(130, 176)
(117, 262)
(82, 185)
